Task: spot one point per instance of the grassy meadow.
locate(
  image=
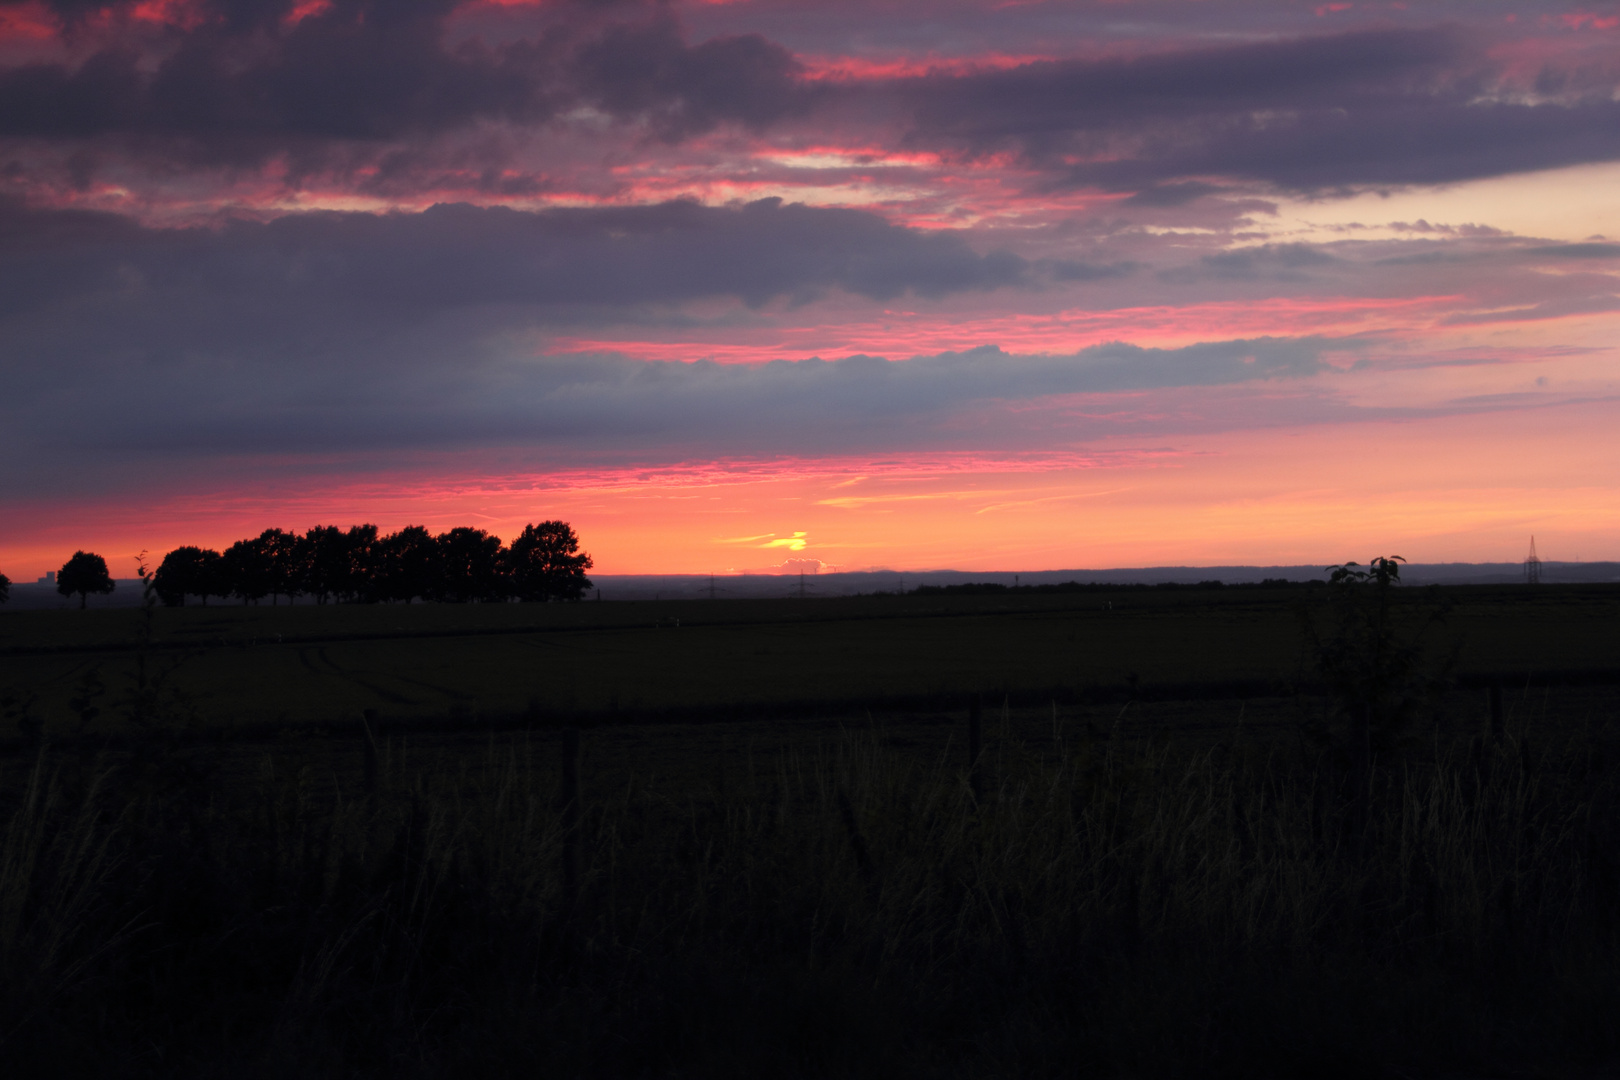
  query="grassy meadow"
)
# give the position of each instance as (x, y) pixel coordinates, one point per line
(584, 840)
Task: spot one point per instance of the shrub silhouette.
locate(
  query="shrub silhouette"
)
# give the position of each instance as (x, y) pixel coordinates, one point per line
(5, 588)
(84, 573)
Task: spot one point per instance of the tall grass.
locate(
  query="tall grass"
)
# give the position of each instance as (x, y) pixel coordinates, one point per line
(1107, 906)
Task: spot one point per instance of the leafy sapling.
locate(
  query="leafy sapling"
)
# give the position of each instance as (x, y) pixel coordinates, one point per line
(1371, 655)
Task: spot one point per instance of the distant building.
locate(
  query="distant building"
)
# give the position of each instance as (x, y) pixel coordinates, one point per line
(48, 579)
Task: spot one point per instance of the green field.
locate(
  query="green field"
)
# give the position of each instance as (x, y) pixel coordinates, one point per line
(309, 665)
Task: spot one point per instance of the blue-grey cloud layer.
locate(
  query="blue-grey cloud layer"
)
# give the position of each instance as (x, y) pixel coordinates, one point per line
(99, 281)
(1370, 107)
(560, 407)
(245, 84)
(357, 333)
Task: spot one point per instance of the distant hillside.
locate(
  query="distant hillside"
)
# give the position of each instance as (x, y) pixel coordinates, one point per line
(35, 596)
(686, 586)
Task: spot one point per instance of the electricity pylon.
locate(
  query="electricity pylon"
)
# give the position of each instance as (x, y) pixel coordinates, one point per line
(1532, 566)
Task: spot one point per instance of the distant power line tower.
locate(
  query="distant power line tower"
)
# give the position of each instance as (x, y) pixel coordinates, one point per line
(1532, 566)
(802, 590)
(714, 591)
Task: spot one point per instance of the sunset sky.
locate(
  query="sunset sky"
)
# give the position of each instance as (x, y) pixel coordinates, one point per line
(760, 284)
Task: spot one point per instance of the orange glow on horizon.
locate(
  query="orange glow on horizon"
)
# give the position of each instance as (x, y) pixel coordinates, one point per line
(1464, 488)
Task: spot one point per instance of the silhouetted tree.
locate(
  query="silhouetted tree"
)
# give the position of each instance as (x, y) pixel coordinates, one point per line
(361, 564)
(189, 571)
(545, 563)
(5, 588)
(174, 575)
(324, 562)
(211, 579)
(472, 566)
(281, 548)
(84, 574)
(303, 566)
(408, 565)
(357, 564)
(247, 569)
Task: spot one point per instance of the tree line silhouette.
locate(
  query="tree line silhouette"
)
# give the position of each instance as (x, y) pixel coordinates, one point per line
(360, 565)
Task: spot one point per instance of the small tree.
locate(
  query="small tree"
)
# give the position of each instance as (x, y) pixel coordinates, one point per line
(5, 588)
(84, 574)
(545, 563)
(1373, 661)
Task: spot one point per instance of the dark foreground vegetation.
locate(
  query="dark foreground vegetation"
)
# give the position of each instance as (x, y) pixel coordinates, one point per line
(1382, 871)
(863, 903)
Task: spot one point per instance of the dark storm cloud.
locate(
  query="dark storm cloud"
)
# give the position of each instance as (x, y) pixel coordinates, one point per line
(1370, 107)
(244, 83)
